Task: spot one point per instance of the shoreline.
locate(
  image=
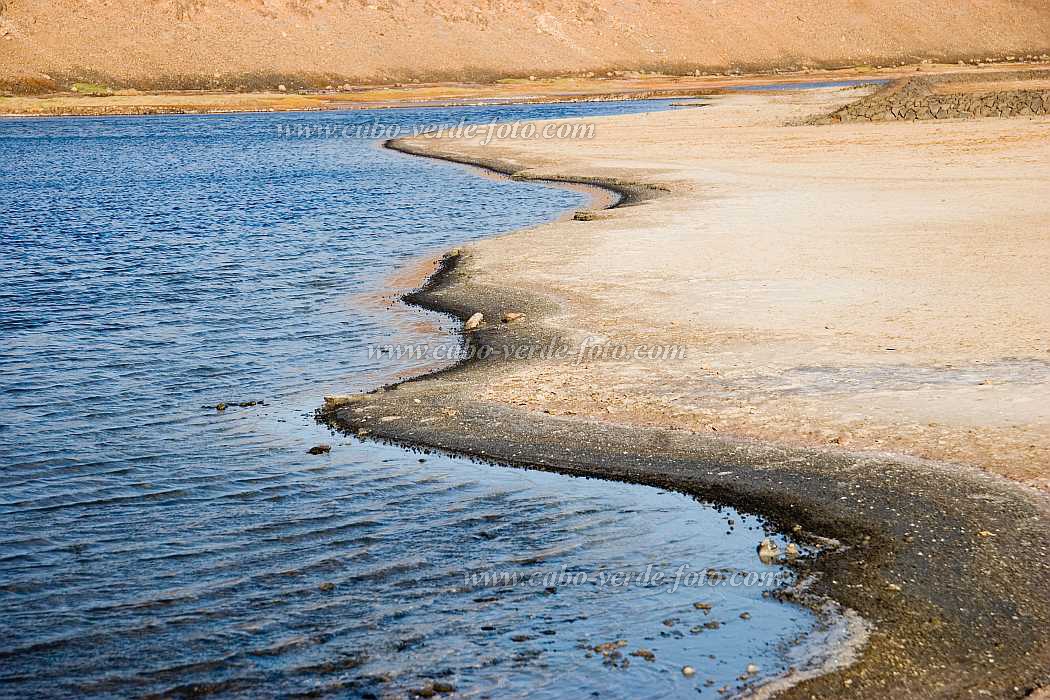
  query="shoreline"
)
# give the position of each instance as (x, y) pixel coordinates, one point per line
(554, 90)
(895, 515)
(314, 102)
(849, 630)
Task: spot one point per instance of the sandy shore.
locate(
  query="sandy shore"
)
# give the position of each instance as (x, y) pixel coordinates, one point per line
(877, 287)
(862, 349)
(133, 102)
(111, 101)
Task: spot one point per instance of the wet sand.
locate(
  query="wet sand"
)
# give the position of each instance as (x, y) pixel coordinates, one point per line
(866, 356)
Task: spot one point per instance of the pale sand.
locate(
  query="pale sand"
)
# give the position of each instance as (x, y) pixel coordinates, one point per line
(862, 287)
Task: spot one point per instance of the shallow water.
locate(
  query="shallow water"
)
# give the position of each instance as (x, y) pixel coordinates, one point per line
(153, 267)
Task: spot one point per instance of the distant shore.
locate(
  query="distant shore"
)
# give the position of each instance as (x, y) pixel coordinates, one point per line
(792, 263)
(102, 100)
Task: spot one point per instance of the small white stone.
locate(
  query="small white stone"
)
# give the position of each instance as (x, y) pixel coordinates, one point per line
(474, 322)
(768, 551)
(338, 401)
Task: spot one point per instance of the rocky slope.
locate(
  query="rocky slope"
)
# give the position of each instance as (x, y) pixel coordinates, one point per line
(260, 43)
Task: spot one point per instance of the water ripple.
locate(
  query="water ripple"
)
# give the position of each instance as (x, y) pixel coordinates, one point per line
(154, 546)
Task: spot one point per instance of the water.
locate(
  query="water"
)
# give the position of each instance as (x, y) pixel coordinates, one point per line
(153, 267)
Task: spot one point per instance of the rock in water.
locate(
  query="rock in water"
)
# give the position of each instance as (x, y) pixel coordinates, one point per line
(320, 449)
(474, 322)
(337, 401)
(688, 671)
(792, 550)
(768, 551)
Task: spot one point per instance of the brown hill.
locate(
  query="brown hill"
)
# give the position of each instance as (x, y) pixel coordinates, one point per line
(225, 43)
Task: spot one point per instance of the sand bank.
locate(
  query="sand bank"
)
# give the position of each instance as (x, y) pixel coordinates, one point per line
(107, 100)
(862, 312)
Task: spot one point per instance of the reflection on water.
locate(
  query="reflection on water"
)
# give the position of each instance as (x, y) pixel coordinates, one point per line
(154, 267)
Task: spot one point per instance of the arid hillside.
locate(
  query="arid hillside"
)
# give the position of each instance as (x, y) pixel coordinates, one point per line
(257, 43)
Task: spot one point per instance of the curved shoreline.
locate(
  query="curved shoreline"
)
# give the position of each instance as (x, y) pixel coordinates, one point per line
(943, 597)
(629, 193)
(845, 627)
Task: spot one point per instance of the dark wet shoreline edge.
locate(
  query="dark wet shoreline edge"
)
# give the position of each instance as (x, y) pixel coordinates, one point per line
(848, 628)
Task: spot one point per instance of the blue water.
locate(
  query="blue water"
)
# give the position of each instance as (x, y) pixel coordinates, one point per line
(151, 545)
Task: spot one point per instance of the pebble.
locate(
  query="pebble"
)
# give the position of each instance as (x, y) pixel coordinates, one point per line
(474, 322)
(644, 654)
(609, 647)
(337, 401)
(688, 671)
(768, 551)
